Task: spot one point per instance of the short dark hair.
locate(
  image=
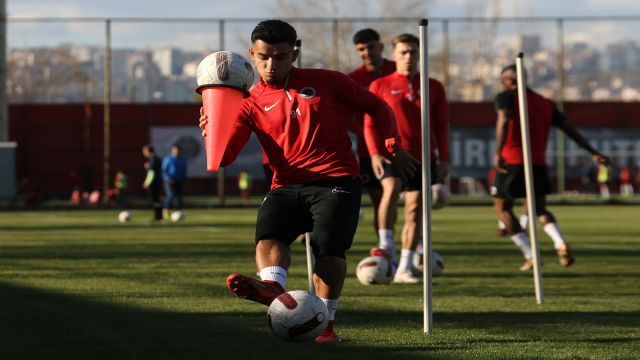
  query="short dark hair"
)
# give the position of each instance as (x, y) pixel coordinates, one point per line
(405, 39)
(274, 32)
(511, 67)
(365, 35)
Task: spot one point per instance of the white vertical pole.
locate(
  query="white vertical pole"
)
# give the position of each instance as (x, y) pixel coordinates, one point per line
(307, 244)
(426, 176)
(528, 175)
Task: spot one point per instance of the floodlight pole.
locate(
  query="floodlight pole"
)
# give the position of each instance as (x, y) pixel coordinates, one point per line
(528, 175)
(426, 176)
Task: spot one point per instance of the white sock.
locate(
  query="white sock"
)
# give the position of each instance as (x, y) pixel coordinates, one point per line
(522, 241)
(524, 221)
(332, 306)
(274, 273)
(501, 225)
(385, 242)
(385, 238)
(554, 233)
(406, 258)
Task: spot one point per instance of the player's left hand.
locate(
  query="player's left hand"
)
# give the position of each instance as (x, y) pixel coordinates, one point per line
(404, 164)
(377, 164)
(443, 170)
(497, 164)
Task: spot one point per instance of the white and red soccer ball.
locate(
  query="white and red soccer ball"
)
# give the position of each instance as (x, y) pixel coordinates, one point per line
(437, 263)
(297, 316)
(124, 216)
(374, 270)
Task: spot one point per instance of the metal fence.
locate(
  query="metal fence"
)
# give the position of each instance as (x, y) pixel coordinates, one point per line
(62, 60)
(153, 60)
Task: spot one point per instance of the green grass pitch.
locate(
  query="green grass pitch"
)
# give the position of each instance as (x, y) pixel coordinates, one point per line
(80, 285)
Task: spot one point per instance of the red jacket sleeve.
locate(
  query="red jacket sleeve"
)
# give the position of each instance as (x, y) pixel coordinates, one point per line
(440, 118)
(379, 122)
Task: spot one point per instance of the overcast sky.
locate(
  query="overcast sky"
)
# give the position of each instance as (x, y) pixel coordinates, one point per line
(132, 34)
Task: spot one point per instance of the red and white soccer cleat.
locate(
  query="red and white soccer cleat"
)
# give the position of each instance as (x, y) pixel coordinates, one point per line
(248, 288)
(328, 336)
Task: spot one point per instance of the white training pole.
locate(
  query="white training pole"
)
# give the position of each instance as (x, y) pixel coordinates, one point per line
(528, 175)
(307, 245)
(426, 177)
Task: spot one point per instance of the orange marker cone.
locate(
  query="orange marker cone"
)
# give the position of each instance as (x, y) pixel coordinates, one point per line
(221, 105)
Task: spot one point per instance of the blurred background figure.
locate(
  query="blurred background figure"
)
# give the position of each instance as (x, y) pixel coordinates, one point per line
(153, 181)
(117, 194)
(93, 198)
(174, 173)
(604, 177)
(244, 184)
(626, 188)
(75, 184)
(587, 176)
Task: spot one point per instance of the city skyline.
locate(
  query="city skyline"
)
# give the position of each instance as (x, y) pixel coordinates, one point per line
(74, 72)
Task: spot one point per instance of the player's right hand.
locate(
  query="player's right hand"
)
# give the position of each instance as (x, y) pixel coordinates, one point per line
(202, 121)
(404, 164)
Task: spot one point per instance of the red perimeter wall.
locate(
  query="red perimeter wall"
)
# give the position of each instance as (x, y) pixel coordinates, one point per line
(55, 139)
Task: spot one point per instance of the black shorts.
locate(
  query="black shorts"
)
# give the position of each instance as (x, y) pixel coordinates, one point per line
(512, 184)
(415, 183)
(329, 209)
(369, 180)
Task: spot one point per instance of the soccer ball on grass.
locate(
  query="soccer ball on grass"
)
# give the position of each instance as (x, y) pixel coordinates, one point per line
(177, 216)
(297, 316)
(374, 270)
(124, 216)
(437, 263)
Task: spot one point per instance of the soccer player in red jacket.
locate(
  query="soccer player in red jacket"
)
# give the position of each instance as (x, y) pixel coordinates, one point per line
(384, 190)
(298, 116)
(401, 90)
(509, 182)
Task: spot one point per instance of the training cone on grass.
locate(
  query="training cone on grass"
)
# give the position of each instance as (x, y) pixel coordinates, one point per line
(223, 79)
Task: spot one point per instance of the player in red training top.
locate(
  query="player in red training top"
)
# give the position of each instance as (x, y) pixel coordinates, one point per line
(383, 191)
(298, 116)
(401, 90)
(509, 182)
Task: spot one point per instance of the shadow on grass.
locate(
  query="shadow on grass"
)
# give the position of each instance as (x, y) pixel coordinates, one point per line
(39, 324)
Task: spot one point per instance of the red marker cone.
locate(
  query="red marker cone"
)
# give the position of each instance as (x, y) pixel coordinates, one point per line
(221, 105)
